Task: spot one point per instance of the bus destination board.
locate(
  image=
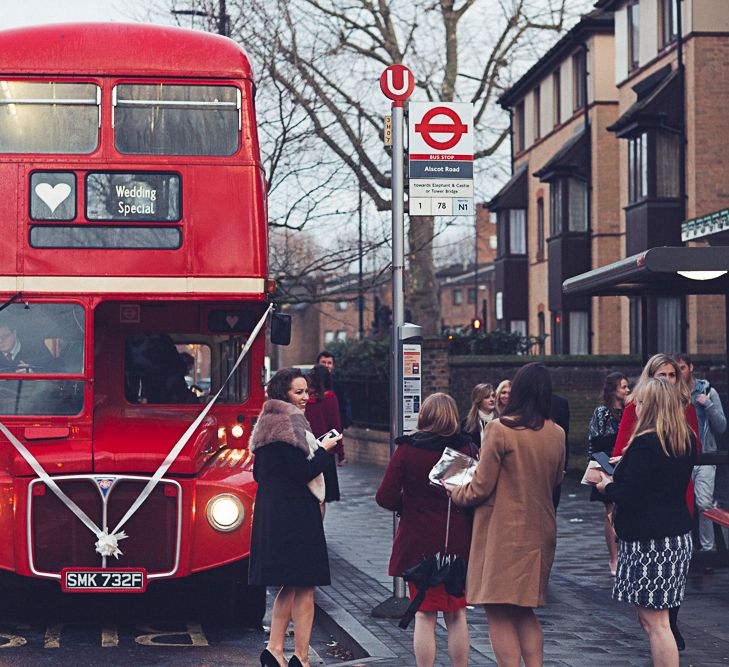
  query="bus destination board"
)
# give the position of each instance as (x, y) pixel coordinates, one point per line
(149, 197)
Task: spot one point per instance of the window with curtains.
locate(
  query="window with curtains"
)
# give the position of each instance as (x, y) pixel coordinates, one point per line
(633, 34)
(653, 165)
(577, 197)
(540, 229)
(578, 80)
(668, 17)
(669, 323)
(555, 208)
(519, 129)
(638, 168)
(568, 206)
(537, 101)
(667, 162)
(556, 97)
(518, 326)
(579, 332)
(517, 231)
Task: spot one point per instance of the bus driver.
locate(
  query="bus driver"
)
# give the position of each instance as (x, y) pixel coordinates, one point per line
(22, 356)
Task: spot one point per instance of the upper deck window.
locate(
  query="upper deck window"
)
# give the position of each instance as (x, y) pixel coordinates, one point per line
(165, 119)
(49, 117)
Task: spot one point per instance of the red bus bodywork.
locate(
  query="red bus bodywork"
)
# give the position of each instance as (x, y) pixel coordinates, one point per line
(120, 295)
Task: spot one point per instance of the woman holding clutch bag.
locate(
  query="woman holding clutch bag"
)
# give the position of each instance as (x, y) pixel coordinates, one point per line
(423, 509)
(288, 548)
(514, 529)
(652, 520)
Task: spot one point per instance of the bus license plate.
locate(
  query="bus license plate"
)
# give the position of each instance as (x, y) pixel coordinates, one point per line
(75, 580)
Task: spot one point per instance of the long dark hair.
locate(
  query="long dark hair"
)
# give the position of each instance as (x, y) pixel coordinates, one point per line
(530, 401)
(612, 382)
(281, 382)
(320, 380)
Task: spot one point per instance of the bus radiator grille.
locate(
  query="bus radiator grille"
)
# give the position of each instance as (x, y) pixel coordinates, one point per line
(60, 540)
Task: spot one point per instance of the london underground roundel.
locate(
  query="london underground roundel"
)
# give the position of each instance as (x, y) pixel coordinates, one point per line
(397, 83)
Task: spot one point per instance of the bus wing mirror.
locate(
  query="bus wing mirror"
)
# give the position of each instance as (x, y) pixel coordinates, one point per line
(280, 329)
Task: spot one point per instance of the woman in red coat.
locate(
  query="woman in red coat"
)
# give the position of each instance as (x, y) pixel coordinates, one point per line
(666, 367)
(423, 509)
(322, 410)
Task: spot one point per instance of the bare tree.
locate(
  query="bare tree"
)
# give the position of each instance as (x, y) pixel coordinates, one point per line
(321, 112)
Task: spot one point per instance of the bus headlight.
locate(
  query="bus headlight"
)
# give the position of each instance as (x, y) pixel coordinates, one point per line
(225, 512)
(237, 431)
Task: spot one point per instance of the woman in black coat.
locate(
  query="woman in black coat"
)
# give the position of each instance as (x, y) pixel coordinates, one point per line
(288, 547)
(652, 520)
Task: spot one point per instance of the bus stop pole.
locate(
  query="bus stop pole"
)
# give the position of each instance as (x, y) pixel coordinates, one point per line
(398, 297)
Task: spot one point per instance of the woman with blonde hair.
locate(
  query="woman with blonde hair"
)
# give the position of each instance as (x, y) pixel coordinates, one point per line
(423, 510)
(661, 366)
(652, 520)
(503, 391)
(483, 410)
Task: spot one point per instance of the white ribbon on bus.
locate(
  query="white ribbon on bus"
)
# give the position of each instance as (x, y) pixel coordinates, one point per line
(107, 542)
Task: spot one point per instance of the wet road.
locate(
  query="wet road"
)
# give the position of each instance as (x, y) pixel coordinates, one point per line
(169, 625)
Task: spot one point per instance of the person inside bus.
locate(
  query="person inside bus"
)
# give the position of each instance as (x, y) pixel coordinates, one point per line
(155, 371)
(22, 355)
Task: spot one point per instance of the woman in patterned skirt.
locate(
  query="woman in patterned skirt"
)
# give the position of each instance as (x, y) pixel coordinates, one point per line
(601, 436)
(652, 520)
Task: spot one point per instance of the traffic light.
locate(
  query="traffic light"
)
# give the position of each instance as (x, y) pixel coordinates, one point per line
(476, 323)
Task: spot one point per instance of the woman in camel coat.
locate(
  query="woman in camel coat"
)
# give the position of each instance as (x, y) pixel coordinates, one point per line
(514, 529)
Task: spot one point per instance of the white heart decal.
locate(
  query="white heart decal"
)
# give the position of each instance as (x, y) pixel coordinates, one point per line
(232, 320)
(53, 195)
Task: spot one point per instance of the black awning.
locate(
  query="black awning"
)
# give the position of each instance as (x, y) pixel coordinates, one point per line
(655, 272)
(569, 160)
(658, 104)
(515, 194)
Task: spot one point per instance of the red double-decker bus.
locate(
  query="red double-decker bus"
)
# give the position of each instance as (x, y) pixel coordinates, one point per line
(133, 269)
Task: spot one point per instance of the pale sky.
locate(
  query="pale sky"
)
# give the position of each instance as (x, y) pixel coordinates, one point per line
(14, 13)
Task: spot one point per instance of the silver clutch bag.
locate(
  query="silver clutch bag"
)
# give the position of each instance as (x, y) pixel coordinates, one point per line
(453, 468)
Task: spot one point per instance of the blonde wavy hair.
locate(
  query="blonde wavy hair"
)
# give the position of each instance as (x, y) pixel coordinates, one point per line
(504, 384)
(439, 414)
(651, 368)
(661, 412)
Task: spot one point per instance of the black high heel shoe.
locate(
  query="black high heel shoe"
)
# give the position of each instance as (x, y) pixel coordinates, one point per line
(268, 659)
(295, 662)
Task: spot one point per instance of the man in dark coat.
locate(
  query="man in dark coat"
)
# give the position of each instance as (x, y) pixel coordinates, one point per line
(326, 358)
(559, 413)
(23, 356)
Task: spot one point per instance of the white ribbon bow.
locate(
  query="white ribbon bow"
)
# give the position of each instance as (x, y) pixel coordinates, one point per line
(107, 544)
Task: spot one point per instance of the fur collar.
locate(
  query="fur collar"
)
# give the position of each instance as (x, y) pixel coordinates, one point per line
(280, 421)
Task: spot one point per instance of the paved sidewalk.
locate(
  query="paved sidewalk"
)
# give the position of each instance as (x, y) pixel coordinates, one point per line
(583, 626)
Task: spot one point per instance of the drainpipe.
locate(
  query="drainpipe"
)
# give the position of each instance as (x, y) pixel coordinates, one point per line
(588, 151)
(682, 137)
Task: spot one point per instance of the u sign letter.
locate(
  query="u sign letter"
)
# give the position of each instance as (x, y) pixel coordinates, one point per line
(397, 83)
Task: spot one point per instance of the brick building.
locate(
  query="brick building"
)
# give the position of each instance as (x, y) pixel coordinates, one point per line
(645, 156)
(559, 216)
(672, 78)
